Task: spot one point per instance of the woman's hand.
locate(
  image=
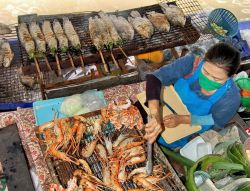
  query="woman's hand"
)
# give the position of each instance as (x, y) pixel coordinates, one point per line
(153, 128)
(173, 120)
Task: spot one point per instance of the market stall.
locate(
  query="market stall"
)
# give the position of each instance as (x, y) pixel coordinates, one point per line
(76, 139)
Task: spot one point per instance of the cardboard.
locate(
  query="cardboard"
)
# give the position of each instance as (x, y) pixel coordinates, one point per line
(170, 96)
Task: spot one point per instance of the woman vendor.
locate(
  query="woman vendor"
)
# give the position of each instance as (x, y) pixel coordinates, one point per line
(205, 86)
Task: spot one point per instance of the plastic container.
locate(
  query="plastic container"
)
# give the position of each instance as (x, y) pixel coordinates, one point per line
(204, 149)
(225, 19)
(190, 149)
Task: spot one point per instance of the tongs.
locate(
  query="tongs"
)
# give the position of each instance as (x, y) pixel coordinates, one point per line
(149, 163)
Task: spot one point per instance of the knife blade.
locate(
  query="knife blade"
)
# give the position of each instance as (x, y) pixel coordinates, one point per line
(149, 163)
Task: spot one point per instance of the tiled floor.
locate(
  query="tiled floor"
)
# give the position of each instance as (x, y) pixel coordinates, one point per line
(10, 9)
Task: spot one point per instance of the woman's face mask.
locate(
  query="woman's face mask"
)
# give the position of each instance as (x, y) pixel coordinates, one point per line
(207, 84)
(212, 77)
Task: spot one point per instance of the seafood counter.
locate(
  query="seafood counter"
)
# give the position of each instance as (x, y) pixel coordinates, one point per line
(103, 150)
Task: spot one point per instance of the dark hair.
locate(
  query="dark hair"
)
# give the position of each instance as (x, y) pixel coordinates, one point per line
(224, 56)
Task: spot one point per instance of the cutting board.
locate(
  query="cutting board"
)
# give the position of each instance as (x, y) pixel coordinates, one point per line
(170, 96)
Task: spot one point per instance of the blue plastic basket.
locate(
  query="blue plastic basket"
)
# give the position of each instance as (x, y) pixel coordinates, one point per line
(225, 19)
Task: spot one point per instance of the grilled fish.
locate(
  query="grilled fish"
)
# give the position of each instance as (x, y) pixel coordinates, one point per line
(4, 29)
(6, 54)
(61, 37)
(111, 29)
(141, 24)
(71, 33)
(26, 39)
(95, 34)
(49, 36)
(38, 36)
(174, 14)
(159, 21)
(123, 27)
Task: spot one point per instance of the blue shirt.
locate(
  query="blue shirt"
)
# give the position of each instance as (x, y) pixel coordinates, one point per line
(221, 112)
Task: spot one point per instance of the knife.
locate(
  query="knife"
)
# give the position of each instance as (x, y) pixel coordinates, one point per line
(149, 163)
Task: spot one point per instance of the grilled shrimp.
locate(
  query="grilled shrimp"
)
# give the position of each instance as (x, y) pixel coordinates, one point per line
(122, 176)
(49, 36)
(101, 152)
(108, 145)
(61, 37)
(144, 183)
(44, 126)
(56, 187)
(89, 149)
(133, 152)
(71, 33)
(81, 129)
(114, 175)
(88, 184)
(136, 160)
(106, 174)
(61, 155)
(157, 171)
(119, 139)
(37, 35)
(85, 166)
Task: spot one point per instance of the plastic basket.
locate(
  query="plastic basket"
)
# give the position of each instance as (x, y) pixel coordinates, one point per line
(225, 19)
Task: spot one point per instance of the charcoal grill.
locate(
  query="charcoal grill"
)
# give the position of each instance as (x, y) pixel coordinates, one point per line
(176, 37)
(63, 171)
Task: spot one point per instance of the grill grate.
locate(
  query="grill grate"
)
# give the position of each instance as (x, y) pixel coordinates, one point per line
(63, 171)
(11, 90)
(176, 37)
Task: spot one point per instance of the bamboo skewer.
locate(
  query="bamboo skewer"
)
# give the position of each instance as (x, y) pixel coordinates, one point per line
(104, 63)
(114, 60)
(58, 65)
(47, 63)
(71, 60)
(82, 62)
(38, 68)
(126, 55)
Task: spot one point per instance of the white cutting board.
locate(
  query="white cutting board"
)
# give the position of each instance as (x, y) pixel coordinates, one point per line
(170, 96)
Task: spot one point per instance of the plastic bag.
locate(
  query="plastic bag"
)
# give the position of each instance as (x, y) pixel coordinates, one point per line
(78, 104)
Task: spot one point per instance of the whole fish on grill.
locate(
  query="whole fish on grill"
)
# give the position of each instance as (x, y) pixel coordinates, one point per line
(71, 33)
(105, 36)
(38, 36)
(159, 21)
(4, 29)
(174, 14)
(6, 54)
(49, 36)
(26, 40)
(123, 27)
(95, 33)
(110, 27)
(60, 35)
(141, 24)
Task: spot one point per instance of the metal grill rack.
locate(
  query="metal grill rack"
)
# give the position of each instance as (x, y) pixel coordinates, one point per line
(11, 90)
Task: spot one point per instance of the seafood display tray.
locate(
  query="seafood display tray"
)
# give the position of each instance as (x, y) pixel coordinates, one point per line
(61, 171)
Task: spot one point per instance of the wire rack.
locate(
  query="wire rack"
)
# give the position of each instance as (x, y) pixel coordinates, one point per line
(11, 89)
